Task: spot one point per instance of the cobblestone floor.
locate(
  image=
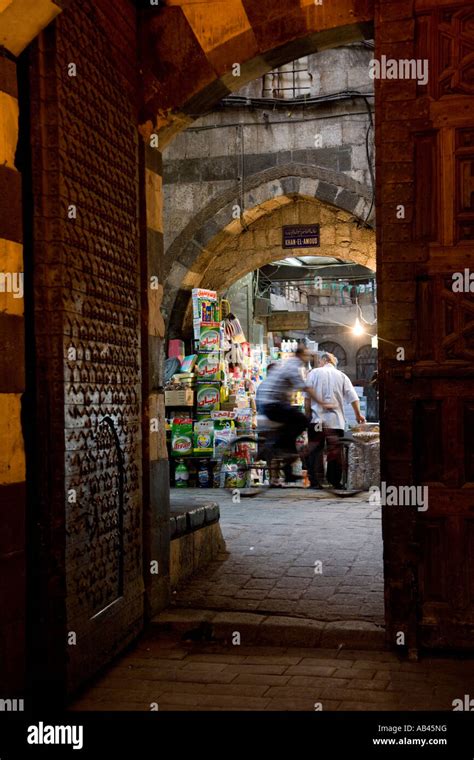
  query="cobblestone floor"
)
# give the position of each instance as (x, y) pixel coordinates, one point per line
(273, 544)
(164, 674)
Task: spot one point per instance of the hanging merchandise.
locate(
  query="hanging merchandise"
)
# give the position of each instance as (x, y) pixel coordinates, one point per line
(225, 308)
(233, 329)
(243, 420)
(235, 355)
(219, 380)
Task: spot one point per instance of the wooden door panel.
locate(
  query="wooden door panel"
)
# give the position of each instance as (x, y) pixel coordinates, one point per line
(427, 393)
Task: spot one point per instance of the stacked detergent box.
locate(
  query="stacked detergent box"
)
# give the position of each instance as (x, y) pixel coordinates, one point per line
(209, 366)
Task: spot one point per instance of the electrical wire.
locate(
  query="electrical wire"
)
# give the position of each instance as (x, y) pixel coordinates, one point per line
(243, 223)
(239, 101)
(308, 281)
(225, 125)
(361, 317)
(369, 160)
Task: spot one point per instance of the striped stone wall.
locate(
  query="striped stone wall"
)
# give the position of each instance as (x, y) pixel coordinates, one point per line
(12, 385)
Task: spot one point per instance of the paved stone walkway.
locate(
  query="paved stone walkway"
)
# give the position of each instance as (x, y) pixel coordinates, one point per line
(276, 542)
(273, 543)
(170, 675)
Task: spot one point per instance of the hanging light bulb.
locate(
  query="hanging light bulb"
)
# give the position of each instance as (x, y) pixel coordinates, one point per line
(357, 329)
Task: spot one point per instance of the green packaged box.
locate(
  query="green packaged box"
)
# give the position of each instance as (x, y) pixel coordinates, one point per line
(182, 437)
(208, 396)
(208, 366)
(209, 339)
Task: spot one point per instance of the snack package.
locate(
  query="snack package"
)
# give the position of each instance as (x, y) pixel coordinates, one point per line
(208, 366)
(203, 437)
(181, 436)
(244, 451)
(208, 396)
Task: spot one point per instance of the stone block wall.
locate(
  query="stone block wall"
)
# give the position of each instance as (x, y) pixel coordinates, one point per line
(17, 29)
(205, 160)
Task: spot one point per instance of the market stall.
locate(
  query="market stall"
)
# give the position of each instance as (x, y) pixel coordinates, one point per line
(210, 390)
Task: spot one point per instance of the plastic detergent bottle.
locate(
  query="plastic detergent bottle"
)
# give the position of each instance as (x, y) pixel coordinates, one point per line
(181, 474)
(203, 474)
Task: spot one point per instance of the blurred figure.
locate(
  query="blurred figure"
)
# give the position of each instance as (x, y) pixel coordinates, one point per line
(327, 420)
(261, 389)
(275, 403)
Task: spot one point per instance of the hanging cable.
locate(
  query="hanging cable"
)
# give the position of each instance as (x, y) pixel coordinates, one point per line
(243, 223)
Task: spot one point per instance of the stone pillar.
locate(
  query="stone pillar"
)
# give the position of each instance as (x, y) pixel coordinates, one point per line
(155, 465)
(88, 339)
(12, 385)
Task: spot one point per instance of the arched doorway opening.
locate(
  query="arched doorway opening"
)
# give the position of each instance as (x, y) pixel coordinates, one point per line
(231, 244)
(86, 31)
(424, 383)
(245, 244)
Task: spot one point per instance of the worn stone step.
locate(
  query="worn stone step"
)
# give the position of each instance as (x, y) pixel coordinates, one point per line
(269, 630)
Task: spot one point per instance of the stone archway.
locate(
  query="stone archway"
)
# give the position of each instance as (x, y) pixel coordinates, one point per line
(226, 44)
(209, 233)
(423, 134)
(246, 244)
(258, 35)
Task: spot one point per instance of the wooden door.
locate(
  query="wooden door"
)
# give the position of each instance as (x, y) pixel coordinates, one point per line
(425, 218)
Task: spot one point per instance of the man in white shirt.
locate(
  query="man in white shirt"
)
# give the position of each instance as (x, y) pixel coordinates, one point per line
(334, 388)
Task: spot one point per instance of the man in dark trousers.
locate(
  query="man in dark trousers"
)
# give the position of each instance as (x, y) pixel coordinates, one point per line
(327, 421)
